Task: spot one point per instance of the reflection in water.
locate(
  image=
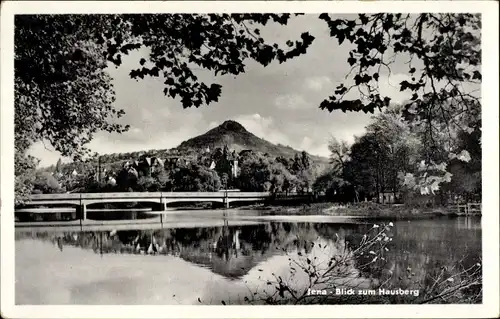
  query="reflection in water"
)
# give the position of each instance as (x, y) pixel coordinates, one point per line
(243, 254)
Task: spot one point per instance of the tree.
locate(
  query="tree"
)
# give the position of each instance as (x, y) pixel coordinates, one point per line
(254, 172)
(401, 146)
(60, 78)
(45, 183)
(297, 164)
(196, 178)
(327, 183)
(306, 161)
(443, 52)
(262, 173)
(58, 167)
(339, 154)
(367, 166)
(161, 176)
(281, 180)
(148, 183)
(127, 178)
(284, 161)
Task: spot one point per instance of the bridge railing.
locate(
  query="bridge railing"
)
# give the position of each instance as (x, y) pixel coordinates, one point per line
(247, 194)
(83, 196)
(474, 207)
(54, 196)
(121, 195)
(466, 209)
(192, 194)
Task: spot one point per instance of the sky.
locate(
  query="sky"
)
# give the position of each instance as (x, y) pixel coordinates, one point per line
(279, 103)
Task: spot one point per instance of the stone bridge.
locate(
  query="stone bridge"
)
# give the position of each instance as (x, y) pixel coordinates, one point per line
(81, 200)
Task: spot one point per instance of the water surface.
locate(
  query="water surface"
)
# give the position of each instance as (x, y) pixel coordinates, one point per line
(195, 258)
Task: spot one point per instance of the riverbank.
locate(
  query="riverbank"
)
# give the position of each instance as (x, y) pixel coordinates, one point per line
(368, 210)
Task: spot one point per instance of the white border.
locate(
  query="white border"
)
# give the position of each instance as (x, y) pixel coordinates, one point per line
(490, 141)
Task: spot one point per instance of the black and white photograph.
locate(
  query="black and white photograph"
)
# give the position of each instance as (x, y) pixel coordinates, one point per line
(249, 154)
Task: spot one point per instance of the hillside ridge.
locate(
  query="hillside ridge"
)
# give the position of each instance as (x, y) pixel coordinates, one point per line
(230, 133)
(238, 138)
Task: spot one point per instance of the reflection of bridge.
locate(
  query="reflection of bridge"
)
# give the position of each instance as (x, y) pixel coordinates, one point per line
(162, 198)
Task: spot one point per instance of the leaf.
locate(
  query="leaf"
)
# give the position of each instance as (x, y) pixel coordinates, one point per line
(340, 37)
(363, 18)
(324, 16)
(476, 75)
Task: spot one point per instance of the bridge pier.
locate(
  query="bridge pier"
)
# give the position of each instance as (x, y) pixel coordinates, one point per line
(83, 211)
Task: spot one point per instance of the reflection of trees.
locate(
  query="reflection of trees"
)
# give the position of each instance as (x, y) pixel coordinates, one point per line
(418, 249)
(230, 251)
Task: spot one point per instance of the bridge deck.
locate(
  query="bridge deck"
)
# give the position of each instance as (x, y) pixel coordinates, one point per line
(82, 200)
(159, 197)
(80, 196)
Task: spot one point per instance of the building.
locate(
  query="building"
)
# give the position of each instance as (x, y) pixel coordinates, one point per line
(212, 165)
(234, 168)
(388, 197)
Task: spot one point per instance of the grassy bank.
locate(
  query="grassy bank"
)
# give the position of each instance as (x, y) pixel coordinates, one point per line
(370, 210)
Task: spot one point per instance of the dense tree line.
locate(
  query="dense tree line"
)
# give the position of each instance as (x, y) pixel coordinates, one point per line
(254, 172)
(388, 159)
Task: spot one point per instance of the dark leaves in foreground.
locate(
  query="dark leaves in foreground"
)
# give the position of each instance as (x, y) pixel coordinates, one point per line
(455, 41)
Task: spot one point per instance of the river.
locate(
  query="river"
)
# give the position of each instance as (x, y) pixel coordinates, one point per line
(207, 258)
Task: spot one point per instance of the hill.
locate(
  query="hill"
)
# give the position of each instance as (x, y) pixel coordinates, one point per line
(236, 137)
(230, 133)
